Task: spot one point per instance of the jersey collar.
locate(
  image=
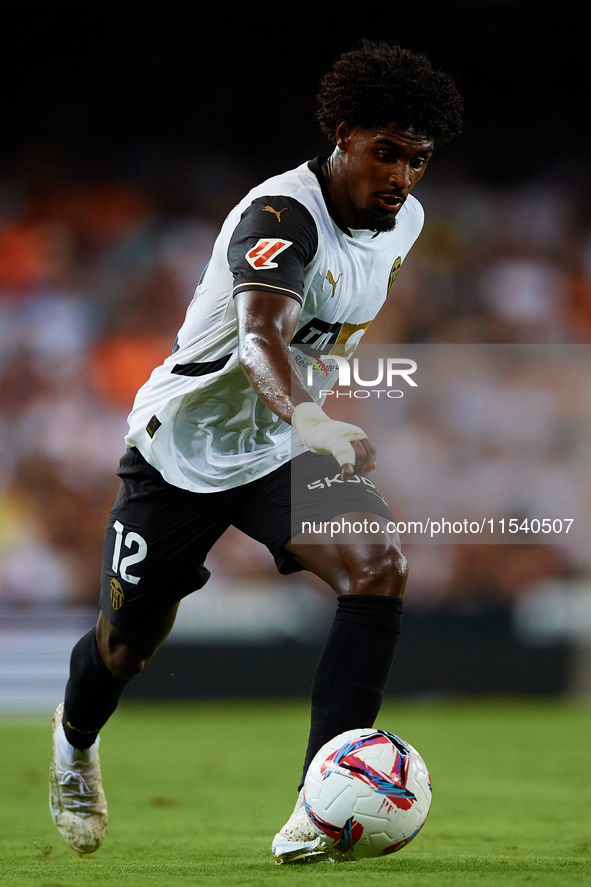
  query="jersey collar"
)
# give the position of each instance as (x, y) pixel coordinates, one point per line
(356, 233)
(316, 167)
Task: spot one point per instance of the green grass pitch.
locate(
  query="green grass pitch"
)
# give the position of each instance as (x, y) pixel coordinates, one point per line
(197, 791)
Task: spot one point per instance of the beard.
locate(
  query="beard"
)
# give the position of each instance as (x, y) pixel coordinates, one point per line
(372, 220)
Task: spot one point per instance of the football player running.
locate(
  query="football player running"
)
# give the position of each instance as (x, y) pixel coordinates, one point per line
(226, 432)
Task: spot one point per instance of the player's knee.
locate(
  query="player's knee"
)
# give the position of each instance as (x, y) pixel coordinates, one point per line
(124, 661)
(125, 653)
(385, 574)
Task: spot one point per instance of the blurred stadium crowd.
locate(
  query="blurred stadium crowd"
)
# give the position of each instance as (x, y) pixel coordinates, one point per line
(96, 271)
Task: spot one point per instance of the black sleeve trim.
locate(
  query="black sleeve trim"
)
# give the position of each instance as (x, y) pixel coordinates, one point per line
(257, 285)
(272, 244)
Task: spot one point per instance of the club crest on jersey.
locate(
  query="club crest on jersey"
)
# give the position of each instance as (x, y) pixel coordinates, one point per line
(261, 255)
(394, 273)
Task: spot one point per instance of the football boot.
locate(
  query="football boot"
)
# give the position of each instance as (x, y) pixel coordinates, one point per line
(297, 843)
(76, 797)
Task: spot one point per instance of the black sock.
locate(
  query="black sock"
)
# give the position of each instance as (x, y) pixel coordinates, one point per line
(353, 667)
(92, 693)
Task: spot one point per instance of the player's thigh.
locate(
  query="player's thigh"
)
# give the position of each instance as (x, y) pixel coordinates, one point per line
(344, 532)
(156, 542)
(301, 511)
(354, 553)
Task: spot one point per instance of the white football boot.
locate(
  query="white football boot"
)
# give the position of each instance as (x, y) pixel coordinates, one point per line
(298, 843)
(76, 797)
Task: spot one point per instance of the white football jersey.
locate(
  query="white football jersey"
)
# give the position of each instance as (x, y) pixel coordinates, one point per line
(197, 420)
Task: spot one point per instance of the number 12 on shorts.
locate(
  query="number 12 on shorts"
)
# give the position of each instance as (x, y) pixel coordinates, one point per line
(121, 565)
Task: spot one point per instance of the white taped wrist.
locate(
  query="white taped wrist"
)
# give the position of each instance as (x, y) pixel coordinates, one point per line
(324, 435)
(308, 413)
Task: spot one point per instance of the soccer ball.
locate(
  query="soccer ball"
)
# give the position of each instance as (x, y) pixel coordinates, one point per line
(367, 793)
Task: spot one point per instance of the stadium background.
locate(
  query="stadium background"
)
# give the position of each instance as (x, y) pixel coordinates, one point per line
(129, 130)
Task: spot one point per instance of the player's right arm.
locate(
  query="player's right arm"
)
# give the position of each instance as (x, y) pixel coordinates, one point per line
(266, 324)
(274, 241)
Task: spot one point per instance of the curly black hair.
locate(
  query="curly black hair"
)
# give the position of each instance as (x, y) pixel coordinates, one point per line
(379, 84)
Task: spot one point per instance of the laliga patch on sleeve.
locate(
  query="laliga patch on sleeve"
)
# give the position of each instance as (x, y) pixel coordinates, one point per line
(261, 255)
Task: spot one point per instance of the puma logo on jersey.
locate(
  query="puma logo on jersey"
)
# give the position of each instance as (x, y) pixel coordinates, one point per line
(333, 282)
(261, 255)
(269, 209)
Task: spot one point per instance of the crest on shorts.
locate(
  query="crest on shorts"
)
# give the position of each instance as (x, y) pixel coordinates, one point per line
(117, 596)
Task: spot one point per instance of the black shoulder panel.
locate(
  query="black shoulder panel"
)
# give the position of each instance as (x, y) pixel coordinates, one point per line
(274, 241)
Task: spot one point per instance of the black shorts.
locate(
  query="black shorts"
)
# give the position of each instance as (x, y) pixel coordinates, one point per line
(158, 535)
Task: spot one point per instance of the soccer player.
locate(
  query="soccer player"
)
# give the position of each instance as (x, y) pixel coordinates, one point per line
(227, 431)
